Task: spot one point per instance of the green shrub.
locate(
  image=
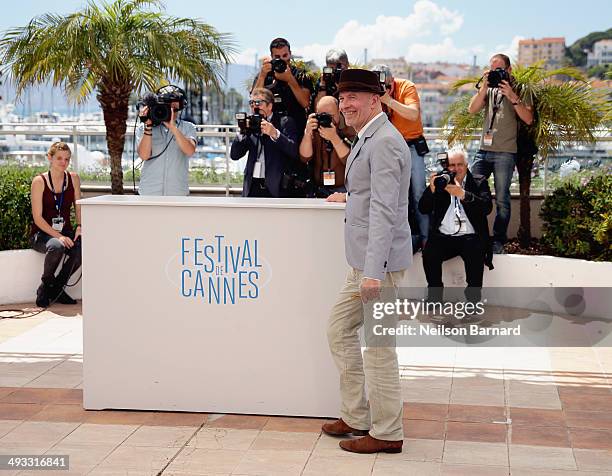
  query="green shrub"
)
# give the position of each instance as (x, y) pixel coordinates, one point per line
(15, 208)
(578, 219)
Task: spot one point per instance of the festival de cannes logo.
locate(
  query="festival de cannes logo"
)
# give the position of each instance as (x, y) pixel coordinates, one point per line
(217, 270)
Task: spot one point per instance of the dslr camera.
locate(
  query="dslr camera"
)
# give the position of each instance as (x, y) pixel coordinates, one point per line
(496, 76)
(331, 77)
(278, 65)
(159, 104)
(445, 176)
(324, 119)
(249, 123)
(382, 79)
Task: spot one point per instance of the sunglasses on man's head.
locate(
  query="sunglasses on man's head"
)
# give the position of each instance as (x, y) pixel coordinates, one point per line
(257, 102)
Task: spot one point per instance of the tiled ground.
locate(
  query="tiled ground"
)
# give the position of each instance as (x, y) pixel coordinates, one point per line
(476, 411)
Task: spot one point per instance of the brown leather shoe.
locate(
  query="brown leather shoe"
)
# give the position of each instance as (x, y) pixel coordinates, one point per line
(369, 444)
(340, 428)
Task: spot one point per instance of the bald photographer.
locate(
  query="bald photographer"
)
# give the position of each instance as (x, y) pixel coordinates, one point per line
(326, 145)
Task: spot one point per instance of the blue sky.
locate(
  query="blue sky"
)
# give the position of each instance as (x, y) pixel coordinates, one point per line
(420, 30)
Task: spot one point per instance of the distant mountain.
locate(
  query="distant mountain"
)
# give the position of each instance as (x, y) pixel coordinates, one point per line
(241, 75)
(575, 53)
(49, 99)
(44, 98)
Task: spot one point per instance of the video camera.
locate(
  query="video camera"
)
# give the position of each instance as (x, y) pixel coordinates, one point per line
(445, 176)
(159, 104)
(324, 119)
(331, 77)
(249, 123)
(496, 76)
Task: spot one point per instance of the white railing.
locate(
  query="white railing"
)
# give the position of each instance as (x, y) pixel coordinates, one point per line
(44, 133)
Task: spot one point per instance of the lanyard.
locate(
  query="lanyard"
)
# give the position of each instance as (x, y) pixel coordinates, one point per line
(497, 100)
(328, 149)
(58, 207)
(457, 213)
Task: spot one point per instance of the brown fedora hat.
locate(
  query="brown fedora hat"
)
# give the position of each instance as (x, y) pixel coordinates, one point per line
(360, 80)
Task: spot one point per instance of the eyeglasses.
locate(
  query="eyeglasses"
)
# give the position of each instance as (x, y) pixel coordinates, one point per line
(257, 102)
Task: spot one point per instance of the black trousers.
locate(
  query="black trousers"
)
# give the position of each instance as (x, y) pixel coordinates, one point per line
(440, 248)
(258, 188)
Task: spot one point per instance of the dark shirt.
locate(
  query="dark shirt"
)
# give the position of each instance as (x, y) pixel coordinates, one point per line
(284, 100)
(323, 160)
(477, 205)
(49, 210)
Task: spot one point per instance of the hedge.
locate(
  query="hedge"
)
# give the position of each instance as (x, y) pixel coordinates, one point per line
(15, 207)
(578, 219)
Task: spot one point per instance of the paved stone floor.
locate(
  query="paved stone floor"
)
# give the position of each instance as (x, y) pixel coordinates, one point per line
(467, 411)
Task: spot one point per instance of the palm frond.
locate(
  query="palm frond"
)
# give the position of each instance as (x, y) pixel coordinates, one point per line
(566, 111)
(130, 42)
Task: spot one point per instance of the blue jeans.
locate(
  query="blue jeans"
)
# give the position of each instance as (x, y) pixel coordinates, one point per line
(417, 187)
(501, 164)
(54, 252)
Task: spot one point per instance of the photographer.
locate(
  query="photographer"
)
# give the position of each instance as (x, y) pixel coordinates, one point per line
(290, 86)
(460, 203)
(402, 104)
(503, 107)
(271, 142)
(336, 61)
(327, 143)
(165, 143)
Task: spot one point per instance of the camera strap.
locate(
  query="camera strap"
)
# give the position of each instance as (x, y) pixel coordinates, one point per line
(498, 97)
(58, 203)
(167, 133)
(457, 214)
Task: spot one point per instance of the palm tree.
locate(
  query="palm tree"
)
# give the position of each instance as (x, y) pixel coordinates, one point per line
(565, 112)
(114, 49)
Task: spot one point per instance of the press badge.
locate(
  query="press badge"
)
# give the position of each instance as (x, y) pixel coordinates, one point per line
(487, 139)
(329, 178)
(57, 223)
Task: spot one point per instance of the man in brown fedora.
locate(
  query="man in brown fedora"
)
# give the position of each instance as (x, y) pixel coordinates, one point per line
(378, 250)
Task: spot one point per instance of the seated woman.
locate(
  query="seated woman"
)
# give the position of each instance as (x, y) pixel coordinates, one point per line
(53, 195)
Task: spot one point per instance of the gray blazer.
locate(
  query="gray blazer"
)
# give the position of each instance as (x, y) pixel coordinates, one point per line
(377, 178)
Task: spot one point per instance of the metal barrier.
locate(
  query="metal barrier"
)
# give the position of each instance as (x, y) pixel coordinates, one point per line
(72, 132)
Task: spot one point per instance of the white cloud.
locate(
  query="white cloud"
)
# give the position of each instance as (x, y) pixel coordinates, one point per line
(314, 51)
(443, 51)
(388, 36)
(394, 36)
(510, 50)
(247, 56)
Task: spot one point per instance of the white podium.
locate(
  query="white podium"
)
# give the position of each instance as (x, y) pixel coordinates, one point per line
(211, 304)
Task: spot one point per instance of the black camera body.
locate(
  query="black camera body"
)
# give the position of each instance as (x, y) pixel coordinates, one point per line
(496, 76)
(278, 65)
(445, 176)
(249, 123)
(382, 79)
(159, 111)
(160, 104)
(324, 119)
(331, 77)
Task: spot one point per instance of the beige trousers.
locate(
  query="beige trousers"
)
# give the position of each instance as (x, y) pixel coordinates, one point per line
(377, 371)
